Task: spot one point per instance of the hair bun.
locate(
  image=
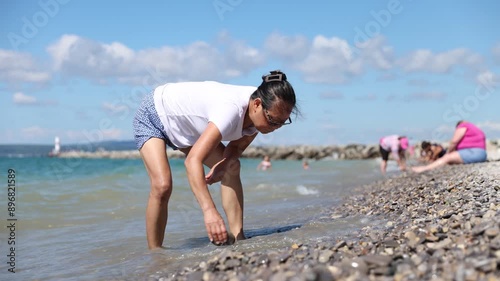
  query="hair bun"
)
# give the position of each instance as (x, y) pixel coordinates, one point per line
(274, 76)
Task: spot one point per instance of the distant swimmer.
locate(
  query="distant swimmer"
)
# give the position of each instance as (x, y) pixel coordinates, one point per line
(265, 164)
(305, 165)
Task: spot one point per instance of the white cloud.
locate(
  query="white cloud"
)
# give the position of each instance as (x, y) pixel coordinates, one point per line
(76, 56)
(240, 59)
(23, 99)
(16, 67)
(287, 47)
(445, 129)
(427, 61)
(418, 96)
(489, 125)
(488, 79)
(427, 96)
(331, 95)
(376, 52)
(20, 98)
(368, 97)
(60, 51)
(112, 134)
(419, 82)
(114, 108)
(330, 60)
(387, 76)
(196, 61)
(34, 132)
(80, 57)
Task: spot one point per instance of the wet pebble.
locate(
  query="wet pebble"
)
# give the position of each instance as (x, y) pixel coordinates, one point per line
(439, 225)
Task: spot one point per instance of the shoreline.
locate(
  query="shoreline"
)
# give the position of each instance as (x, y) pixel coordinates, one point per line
(442, 225)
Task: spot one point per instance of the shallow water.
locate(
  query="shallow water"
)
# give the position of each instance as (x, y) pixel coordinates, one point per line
(84, 218)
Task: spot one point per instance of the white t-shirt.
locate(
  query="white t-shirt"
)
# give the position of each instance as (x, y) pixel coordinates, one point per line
(186, 108)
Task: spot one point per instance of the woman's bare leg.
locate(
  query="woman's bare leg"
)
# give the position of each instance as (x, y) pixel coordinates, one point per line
(155, 159)
(450, 158)
(383, 166)
(232, 199)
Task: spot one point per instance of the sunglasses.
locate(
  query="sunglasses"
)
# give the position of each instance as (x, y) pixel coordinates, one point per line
(270, 121)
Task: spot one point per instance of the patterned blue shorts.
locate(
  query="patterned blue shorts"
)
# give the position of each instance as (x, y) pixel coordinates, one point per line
(147, 124)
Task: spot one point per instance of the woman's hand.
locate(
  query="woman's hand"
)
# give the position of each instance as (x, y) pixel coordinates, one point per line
(215, 226)
(217, 172)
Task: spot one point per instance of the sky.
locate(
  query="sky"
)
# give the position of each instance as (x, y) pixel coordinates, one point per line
(361, 69)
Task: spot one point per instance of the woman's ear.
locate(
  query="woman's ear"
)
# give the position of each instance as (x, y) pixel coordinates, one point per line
(256, 103)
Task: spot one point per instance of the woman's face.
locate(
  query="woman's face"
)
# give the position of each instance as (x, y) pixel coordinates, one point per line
(268, 120)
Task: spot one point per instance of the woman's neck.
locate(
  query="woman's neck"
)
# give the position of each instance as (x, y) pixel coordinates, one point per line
(247, 122)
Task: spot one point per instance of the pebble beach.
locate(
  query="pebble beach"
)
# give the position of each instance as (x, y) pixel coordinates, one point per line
(438, 225)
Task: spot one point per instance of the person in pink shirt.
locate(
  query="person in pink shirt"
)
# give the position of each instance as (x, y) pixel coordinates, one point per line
(397, 145)
(468, 145)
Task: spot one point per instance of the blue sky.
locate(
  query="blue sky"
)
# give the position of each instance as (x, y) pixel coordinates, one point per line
(361, 69)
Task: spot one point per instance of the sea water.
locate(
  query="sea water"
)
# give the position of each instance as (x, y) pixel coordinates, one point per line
(84, 219)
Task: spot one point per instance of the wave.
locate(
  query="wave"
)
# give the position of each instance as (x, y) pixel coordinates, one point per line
(303, 190)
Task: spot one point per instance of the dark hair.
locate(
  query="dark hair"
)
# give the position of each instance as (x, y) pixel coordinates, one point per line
(275, 87)
(459, 122)
(425, 144)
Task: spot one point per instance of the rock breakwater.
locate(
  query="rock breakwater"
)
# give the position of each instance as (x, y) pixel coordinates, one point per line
(352, 151)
